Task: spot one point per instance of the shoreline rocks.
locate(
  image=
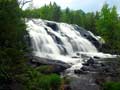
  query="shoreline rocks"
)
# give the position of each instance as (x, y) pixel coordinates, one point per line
(94, 73)
(55, 65)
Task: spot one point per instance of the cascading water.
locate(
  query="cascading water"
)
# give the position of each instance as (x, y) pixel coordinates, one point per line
(68, 45)
(59, 41)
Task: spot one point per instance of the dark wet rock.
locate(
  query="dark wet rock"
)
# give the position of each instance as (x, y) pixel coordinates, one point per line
(75, 57)
(102, 64)
(63, 50)
(85, 68)
(67, 87)
(96, 66)
(49, 69)
(88, 35)
(97, 73)
(96, 57)
(78, 54)
(83, 82)
(56, 39)
(99, 81)
(58, 66)
(85, 64)
(94, 41)
(78, 71)
(90, 61)
(52, 25)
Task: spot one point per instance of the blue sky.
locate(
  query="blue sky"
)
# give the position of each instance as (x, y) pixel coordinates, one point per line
(85, 5)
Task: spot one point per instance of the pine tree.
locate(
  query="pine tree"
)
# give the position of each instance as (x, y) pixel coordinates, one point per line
(12, 46)
(108, 27)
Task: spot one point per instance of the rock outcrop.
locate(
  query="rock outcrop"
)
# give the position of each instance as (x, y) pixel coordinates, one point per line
(56, 65)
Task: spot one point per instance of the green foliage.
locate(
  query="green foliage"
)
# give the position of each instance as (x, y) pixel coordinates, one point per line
(111, 86)
(38, 81)
(90, 22)
(12, 45)
(50, 12)
(108, 26)
(45, 69)
(67, 16)
(53, 12)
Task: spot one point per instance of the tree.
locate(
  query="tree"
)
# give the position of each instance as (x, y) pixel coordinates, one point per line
(90, 22)
(108, 27)
(12, 45)
(76, 17)
(23, 2)
(56, 12)
(67, 16)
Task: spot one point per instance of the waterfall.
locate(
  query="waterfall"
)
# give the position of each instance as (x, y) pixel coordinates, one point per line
(61, 41)
(59, 38)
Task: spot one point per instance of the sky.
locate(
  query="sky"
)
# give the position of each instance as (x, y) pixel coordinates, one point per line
(85, 5)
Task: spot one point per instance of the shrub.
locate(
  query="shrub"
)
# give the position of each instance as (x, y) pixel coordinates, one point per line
(38, 81)
(111, 86)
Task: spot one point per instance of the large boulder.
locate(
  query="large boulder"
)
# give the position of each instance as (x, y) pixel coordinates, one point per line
(57, 65)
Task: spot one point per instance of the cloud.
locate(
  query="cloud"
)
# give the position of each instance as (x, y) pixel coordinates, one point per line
(39, 3)
(87, 5)
(62, 3)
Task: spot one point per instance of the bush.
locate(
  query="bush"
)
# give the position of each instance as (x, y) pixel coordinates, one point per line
(46, 69)
(111, 86)
(38, 81)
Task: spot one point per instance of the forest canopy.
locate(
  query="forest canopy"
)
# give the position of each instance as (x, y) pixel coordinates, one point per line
(105, 23)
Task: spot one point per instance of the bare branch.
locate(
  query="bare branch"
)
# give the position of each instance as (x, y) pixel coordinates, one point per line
(23, 2)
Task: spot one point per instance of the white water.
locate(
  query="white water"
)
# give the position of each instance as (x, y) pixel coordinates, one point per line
(60, 44)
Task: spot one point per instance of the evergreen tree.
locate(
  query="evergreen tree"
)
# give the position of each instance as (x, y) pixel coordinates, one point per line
(108, 27)
(90, 22)
(56, 12)
(12, 46)
(67, 16)
(76, 17)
